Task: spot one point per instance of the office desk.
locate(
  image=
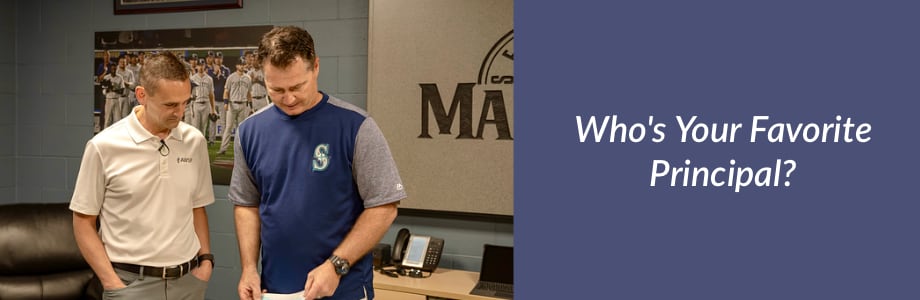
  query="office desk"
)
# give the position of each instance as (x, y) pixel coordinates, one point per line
(444, 283)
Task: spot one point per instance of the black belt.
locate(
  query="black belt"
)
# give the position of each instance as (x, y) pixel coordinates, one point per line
(254, 97)
(172, 272)
(239, 101)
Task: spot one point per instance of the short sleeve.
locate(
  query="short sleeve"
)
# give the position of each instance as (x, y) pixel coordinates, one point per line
(243, 190)
(204, 193)
(374, 168)
(89, 190)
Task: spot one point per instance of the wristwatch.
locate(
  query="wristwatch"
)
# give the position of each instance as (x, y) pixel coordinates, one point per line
(341, 265)
(206, 256)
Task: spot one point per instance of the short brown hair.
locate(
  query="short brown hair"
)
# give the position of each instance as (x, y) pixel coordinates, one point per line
(282, 45)
(164, 65)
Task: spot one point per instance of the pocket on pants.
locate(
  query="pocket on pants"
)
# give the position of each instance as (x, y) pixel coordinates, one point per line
(128, 279)
(198, 287)
(197, 279)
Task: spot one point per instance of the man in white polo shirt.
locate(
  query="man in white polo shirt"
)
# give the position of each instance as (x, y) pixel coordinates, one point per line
(147, 180)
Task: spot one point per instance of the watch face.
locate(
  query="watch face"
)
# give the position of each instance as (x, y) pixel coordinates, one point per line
(341, 266)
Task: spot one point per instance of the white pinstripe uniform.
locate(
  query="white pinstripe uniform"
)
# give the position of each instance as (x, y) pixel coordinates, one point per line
(130, 82)
(132, 99)
(112, 95)
(238, 88)
(202, 101)
(259, 93)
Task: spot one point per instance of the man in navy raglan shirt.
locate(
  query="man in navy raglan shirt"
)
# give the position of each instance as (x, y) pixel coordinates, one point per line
(314, 184)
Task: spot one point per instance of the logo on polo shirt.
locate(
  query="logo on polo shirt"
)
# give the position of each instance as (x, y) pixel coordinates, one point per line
(180, 160)
(321, 158)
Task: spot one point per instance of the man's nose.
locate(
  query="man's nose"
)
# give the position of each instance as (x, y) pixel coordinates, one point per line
(284, 98)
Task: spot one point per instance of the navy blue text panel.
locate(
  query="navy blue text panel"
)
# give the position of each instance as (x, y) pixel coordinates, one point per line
(717, 150)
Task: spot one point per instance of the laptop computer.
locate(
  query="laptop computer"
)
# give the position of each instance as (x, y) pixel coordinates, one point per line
(496, 276)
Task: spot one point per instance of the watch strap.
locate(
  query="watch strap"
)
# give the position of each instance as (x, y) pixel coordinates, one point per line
(206, 256)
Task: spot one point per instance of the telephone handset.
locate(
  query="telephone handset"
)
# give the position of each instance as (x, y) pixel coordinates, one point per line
(417, 251)
(399, 247)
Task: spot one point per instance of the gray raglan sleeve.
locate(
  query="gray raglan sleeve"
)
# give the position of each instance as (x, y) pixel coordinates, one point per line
(374, 168)
(243, 190)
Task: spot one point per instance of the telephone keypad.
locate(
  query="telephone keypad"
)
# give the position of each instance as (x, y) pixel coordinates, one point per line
(433, 256)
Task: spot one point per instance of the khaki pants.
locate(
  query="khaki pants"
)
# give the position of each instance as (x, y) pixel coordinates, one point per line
(187, 287)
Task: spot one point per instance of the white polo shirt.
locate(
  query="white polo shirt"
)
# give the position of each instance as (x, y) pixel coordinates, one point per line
(144, 200)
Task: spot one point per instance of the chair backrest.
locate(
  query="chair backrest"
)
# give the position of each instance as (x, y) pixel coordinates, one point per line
(38, 239)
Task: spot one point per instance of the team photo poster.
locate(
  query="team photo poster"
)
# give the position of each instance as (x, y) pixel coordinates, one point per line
(119, 55)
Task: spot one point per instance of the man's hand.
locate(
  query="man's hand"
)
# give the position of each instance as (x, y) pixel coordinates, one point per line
(116, 285)
(321, 282)
(203, 271)
(250, 286)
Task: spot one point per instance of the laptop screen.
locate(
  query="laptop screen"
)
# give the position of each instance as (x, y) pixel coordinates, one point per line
(497, 264)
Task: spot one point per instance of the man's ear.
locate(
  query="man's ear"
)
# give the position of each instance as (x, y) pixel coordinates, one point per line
(316, 66)
(141, 94)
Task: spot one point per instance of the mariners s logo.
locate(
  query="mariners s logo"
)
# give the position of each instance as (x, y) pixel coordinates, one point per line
(321, 158)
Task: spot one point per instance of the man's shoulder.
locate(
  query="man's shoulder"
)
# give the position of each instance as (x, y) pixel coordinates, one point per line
(111, 135)
(348, 107)
(260, 118)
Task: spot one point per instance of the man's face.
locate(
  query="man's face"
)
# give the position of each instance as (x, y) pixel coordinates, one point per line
(164, 109)
(121, 63)
(293, 89)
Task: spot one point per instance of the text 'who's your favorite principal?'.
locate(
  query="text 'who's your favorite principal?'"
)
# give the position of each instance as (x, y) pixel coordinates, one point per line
(694, 129)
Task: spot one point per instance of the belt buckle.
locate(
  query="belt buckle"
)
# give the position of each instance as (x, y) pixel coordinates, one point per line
(165, 269)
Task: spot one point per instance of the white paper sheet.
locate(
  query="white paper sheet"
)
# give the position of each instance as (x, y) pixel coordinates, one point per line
(292, 296)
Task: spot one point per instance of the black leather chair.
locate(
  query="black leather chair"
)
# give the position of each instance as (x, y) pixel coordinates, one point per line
(39, 258)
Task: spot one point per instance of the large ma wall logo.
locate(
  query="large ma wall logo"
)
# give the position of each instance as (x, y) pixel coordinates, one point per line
(496, 80)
